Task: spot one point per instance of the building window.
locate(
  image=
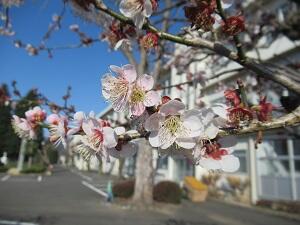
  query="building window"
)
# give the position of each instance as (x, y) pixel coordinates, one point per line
(241, 154)
(162, 163)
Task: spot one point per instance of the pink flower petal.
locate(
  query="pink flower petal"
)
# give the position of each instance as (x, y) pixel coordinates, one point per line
(138, 109)
(152, 99)
(129, 73)
(152, 123)
(145, 82)
(53, 118)
(172, 107)
(87, 127)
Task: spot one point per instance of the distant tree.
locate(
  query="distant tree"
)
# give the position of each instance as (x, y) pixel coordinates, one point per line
(9, 141)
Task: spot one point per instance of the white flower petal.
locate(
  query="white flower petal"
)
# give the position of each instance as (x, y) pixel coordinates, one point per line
(230, 163)
(120, 130)
(187, 143)
(154, 139)
(220, 110)
(79, 116)
(210, 164)
(147, 8)
(172, 107)
(129, 9)
(110, 139)
(152, 123)
(194, 125)
(211, 130)
(139, 20)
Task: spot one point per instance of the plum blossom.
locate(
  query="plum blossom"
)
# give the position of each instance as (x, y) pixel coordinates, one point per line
(78, 119)
(142, 96)
(36, 115)
(23, 128)
(123, 149)
(232, 116)
(171, 124)
(126, 91)
(137, 10)
(213, 155)
(234, 25)
(200, 14)
(149, 41)
(26, 128)
(264, 109)
(97, 139)
(58, 128)
(117, 89)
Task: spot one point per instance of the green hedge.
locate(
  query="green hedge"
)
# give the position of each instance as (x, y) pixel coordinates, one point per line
(124, 189)
(3, 169)
(167, 191)
(37, 168)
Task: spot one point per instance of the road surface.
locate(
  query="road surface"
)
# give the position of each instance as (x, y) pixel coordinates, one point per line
(72, 198)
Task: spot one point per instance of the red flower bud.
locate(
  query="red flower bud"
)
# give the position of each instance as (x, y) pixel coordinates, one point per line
(234, 25)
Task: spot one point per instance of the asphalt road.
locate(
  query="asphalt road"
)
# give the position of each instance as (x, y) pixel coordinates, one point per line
(65, 199)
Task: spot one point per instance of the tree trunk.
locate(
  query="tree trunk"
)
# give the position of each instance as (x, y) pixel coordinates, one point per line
(21, 155)
(29, 162)
(120, 169)
(144, 175)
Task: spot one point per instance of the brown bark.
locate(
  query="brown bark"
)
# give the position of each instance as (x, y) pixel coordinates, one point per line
(144, 175)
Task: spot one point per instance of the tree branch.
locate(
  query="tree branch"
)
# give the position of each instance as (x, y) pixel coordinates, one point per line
(291, 119)
(216, 47)
(236, 39)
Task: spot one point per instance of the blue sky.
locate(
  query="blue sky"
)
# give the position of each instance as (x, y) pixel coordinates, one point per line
(80, 68)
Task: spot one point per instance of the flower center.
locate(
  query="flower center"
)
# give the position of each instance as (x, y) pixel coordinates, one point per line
(137, 95)
(172, 124)
(97, 138)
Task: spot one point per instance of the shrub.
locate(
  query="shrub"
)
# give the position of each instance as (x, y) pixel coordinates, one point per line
(124, 189)
(37, 168)
(167, 191)
(3, 168)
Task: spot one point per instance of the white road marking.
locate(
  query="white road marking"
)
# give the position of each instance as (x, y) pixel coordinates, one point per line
(6, 222)
(5, 178)
(82, 175)
(39, 178)
(90, 186)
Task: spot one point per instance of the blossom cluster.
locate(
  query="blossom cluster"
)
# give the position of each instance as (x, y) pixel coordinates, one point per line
(165, 122)
(93, 136)
(204, 15)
